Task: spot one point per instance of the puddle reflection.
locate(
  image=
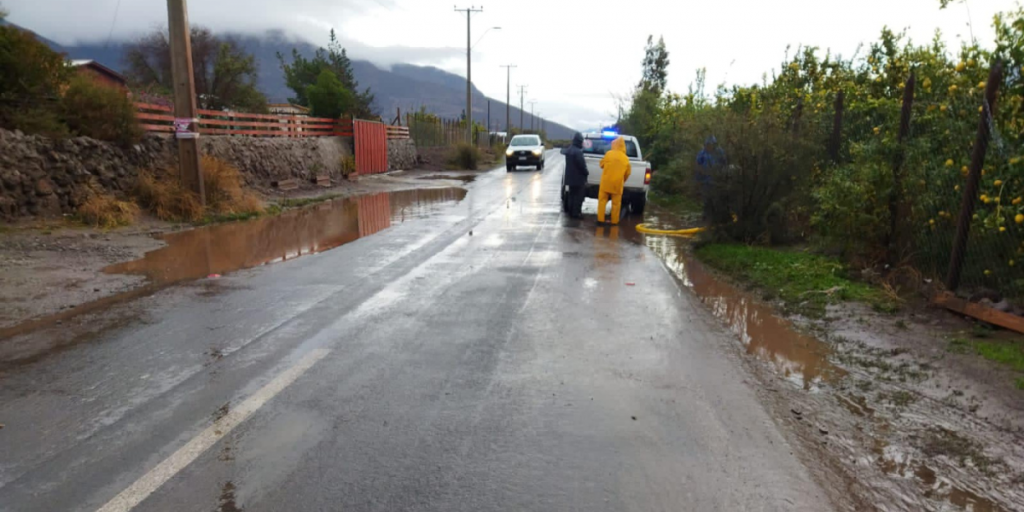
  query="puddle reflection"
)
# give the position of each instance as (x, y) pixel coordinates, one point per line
(229, 247)
(802, 359)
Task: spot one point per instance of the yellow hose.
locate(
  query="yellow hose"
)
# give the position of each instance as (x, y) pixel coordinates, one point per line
(668, 232)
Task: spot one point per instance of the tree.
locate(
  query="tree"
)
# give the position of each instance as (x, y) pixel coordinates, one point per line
(303, 72)
(225, 74)
(655, 67)
(3, 13)
(328, 97)
(31, 79)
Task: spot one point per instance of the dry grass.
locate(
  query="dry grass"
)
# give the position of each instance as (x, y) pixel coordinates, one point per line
(162, 194)
(105, 211)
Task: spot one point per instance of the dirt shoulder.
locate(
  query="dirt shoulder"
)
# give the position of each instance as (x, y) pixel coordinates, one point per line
(916, 409)
(51, 267)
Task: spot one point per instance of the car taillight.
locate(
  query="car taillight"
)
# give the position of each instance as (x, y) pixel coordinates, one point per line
(647, 177)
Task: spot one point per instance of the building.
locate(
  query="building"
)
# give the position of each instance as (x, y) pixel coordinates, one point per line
(100, 73)
(288, 109)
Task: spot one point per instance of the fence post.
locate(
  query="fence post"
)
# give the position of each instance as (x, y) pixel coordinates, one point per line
(893, 238)
(837, 128)
(963, 227)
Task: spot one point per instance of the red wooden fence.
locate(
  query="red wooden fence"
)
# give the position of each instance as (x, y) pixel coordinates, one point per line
(374, 213)
(371, 141)
(160, 118)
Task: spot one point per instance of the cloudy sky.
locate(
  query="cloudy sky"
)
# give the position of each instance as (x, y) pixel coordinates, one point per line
(575, 56)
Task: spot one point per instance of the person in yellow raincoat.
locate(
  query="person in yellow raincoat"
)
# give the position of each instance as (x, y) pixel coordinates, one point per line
(616, 169)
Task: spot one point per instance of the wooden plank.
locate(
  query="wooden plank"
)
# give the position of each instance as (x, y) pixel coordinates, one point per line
(153, 106)
(323, 180)
(157, 127)
(289, 184)
(983, 313)
(154, 117)
(264, 133)
(244, 115)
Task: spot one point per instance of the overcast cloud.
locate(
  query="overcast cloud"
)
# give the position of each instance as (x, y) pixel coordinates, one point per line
(575, 56)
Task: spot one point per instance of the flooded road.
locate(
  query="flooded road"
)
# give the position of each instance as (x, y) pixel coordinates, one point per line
(800, 358)
(225, 248)
(486, 355)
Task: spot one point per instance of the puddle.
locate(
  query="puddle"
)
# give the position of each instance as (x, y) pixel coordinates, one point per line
(226, 248)
(802, 359)
(465, 178)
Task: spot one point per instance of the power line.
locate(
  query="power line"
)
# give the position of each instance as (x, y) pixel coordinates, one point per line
(110, 34)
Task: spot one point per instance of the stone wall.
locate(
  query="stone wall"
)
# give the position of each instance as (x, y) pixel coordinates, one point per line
(45, 177)
(401, 155)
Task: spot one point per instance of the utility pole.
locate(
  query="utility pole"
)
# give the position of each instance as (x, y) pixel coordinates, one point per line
(185, 108)
(522, 106)
(533, 117)
(488, 117)
(508, 99)
(469, 71)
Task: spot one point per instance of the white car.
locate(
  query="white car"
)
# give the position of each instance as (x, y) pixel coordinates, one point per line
(525, 150)
(634, 194)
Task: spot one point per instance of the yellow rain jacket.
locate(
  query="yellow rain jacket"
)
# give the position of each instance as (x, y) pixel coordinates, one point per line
(616, 168)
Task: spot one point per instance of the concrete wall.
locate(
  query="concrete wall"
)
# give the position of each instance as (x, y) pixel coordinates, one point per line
(45, 177)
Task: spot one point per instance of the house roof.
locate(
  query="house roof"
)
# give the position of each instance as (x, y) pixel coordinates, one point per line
(89, 63)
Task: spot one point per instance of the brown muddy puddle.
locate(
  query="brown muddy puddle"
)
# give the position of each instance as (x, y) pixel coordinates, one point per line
(225, 248)
(800, 358)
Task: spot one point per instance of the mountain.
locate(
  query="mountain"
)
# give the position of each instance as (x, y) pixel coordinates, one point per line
(404, 86)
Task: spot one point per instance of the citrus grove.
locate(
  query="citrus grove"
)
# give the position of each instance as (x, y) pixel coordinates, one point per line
(788, 179)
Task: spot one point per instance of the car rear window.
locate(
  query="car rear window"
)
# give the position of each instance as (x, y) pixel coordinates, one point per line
(601, 146)
(525, 141)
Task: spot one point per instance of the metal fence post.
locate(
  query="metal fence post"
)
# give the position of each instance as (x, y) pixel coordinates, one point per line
(963, 228)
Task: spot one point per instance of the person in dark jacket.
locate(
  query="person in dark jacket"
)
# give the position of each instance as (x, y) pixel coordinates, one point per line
(576, 175)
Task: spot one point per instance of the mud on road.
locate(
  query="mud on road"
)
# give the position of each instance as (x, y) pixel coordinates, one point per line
(887, 418)
(48, 269)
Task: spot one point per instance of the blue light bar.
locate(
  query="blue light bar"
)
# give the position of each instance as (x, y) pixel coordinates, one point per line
(609, 134)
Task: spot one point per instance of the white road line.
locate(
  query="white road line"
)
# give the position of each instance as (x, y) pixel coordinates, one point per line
(129, 498)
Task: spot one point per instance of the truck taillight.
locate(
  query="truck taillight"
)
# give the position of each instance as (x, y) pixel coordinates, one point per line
(647, 177)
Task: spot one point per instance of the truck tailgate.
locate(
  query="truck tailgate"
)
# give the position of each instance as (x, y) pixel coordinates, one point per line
(636, 176)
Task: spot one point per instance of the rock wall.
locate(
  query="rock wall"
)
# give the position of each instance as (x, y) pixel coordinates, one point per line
(401, 155)
(46, 178)
(264, 160)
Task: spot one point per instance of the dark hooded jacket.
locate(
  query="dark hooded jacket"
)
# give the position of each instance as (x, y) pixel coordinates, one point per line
(575, 165)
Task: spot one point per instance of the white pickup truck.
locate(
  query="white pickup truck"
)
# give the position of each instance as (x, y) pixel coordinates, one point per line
(634, 195)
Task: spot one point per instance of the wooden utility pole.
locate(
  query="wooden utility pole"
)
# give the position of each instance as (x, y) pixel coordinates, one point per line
(469, 71)
(186, 112)
(508, 99)
(533, 117)
(522, 105)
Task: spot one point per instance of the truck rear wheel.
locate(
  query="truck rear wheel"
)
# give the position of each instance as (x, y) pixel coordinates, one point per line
(638, 203)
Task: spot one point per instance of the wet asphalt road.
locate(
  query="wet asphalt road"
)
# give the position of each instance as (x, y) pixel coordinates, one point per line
(538, 364)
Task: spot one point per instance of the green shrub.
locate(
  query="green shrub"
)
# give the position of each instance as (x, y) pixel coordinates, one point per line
(348, 165)
(465, 157)
(31, 78)
(102, 112)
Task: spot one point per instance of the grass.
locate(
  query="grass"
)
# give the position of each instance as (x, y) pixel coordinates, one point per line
(306, 201)
(1019, 383)
(678, 204)
(808, 281)
(1007, 353)
(106, 212)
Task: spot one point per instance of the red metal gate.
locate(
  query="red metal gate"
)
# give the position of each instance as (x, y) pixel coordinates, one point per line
(371, 141)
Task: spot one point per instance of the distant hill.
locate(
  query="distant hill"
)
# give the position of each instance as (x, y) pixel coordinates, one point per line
(404, 86)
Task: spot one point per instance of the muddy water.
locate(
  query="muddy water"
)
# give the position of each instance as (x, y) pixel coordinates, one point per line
(802, 359)
(225, 248)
